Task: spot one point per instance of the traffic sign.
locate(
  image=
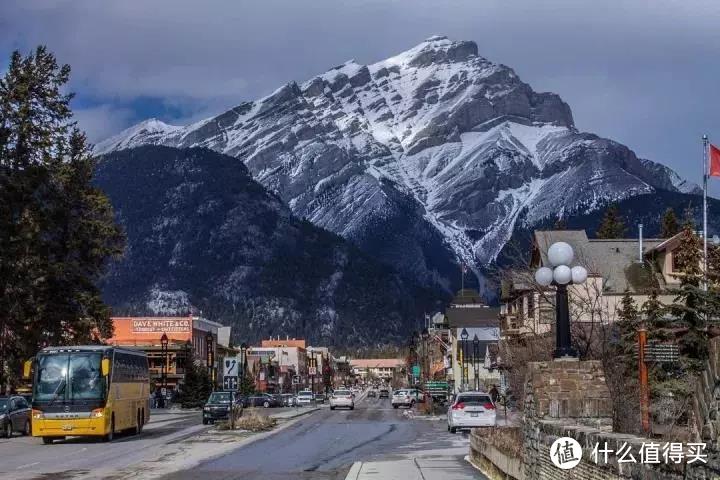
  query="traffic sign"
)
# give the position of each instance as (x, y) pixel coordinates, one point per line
(231, 366)
(230, 383)
(295, 380)
(312, 371)
(416, 370)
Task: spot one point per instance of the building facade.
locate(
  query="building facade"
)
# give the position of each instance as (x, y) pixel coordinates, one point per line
(187, 337)
(615, 267)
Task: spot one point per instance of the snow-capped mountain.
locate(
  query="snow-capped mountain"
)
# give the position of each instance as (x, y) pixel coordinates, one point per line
(431, 148)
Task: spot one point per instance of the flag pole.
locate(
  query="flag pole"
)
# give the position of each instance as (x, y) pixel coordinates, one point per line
(705, 179)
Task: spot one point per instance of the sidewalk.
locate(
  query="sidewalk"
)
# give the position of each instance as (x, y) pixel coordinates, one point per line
(430, 467)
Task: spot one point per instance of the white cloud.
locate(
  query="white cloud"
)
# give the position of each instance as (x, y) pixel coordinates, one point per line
(102, 121)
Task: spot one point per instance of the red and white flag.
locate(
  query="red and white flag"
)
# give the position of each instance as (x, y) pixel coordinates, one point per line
(714, 161)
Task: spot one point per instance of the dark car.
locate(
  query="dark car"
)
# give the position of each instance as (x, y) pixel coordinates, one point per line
(15, 416)
(319, 398)
(262, 400)
(372, 393)
(384, 393)
(218, 406)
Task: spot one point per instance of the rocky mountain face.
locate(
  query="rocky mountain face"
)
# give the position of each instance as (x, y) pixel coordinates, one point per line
(203, 234)
(425, 159)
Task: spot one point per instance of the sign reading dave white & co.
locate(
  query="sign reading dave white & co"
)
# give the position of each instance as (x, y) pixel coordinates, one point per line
(152, 325)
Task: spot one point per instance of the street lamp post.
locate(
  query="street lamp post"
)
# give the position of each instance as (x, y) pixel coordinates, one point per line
(560, 255)
(464, 336)
(312, 369)
(210, 358)
(164, 352)
(243, 364)
(476, 359)
(425, 361)
(412, 355)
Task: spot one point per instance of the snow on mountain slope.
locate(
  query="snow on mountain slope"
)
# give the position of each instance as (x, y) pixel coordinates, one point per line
(434, 145)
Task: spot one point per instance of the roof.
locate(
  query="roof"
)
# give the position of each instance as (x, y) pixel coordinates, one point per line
(292, 342)
(377, 362)
(615, 260)
(472, 316)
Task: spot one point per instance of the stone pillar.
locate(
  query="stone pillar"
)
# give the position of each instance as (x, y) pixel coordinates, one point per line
(566, 389)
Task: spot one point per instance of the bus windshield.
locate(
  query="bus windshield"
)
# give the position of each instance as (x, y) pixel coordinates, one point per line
(69, 377)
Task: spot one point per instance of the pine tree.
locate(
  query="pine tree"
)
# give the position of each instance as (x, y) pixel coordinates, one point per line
(560, 224)
(197, 385)
(612, 225)
(628, 323)
(691, 305)
(56, 230)
(670, 224)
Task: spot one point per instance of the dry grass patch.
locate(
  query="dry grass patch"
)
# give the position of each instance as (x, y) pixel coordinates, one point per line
(255, 422)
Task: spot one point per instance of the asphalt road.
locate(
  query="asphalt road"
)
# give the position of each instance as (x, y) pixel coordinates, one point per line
(27, 457)
(324, 445)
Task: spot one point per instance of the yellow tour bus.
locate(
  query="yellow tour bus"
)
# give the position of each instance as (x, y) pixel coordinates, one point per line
(93, 390)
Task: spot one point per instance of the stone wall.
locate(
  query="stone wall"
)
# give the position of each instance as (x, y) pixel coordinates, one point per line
(498, 452)
(568, 399)
(706, 414)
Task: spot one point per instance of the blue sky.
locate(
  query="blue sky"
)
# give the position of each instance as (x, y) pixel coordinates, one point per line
(644, 73)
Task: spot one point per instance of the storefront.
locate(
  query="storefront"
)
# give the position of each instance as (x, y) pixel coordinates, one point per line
(169, 342)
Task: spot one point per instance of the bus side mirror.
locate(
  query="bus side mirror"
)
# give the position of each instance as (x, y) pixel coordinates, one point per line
(27, 368)
(105, 367)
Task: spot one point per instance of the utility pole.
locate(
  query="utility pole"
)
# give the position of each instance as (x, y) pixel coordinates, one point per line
(644, 388)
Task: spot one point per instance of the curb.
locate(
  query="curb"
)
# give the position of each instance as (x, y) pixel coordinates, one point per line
(297, 414)
(354, 472)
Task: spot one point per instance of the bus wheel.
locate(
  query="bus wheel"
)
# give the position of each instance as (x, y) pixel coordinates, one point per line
(47, 440)
(111, 434)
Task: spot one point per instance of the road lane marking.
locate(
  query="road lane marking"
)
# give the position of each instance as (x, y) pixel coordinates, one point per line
(26, 465)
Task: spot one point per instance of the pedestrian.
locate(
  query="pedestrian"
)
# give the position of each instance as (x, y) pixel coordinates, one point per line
(159, 399)
(494, 394)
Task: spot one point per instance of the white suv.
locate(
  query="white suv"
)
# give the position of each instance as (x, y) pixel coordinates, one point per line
(471, 409)
(342, 398)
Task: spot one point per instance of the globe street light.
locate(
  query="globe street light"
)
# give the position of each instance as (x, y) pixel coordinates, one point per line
(464, 336)
(476, 360)
(560, 256)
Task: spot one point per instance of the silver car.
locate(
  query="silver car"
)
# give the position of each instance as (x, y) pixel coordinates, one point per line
(402, 398)
(471, 409)
(342, 399)
(305, 398)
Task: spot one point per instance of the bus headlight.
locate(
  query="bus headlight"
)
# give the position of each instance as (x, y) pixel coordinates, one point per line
(37, 414)
(97, 413)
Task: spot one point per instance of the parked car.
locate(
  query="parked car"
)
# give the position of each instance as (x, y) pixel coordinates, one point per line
(471, 409)
(288, 400)
(319, 398)
(15, 416)
(403, 398)
(218, 406)
(262, 400)
(384, 393)
(342, 398)
(305, 398)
